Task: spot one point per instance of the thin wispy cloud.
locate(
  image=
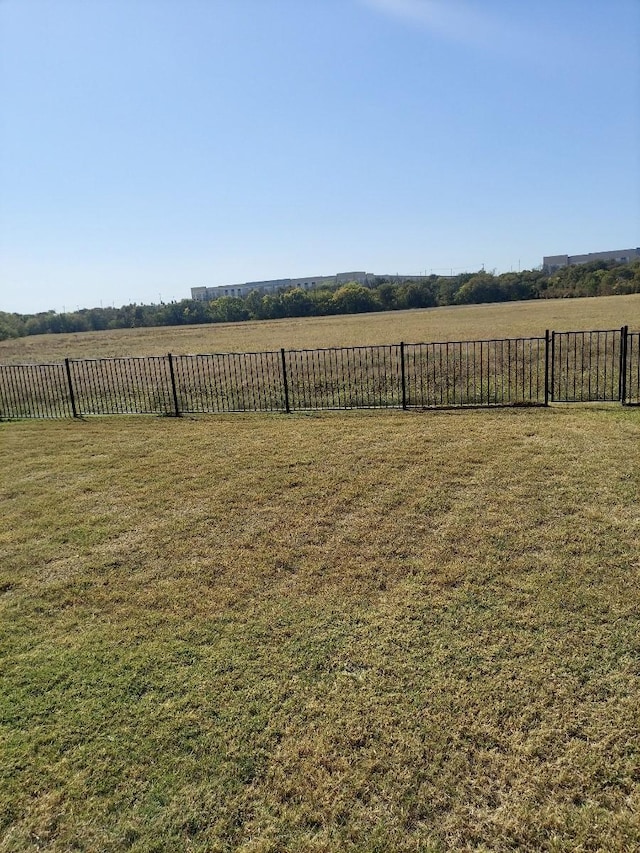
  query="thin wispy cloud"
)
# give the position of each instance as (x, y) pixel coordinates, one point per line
(456, 21)
(471, 24)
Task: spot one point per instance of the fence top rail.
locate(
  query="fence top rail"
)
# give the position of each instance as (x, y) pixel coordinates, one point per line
(479, 341)
(34, 364)
(218, 354)
(343, 349)
(117, 358)
(589, 331)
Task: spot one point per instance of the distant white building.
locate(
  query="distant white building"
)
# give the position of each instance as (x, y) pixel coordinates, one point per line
(309, 282)
(551, 263)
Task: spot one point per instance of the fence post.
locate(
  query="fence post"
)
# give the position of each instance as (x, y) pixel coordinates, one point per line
(176, 407)
(546, 367)
(553, 363)
(70, 383)
(284, 382)
(624, 331)
(403, 376)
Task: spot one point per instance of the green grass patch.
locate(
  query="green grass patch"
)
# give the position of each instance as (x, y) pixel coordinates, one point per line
(353, 632)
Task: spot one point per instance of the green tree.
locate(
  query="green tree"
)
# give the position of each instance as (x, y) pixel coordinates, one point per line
(353, 298)
(272, 306)
(322, 301)
(481, 287)
(387, 295)
(447, 289)
(255, 305)
(297, 303)
(229, 309)
(11, 326)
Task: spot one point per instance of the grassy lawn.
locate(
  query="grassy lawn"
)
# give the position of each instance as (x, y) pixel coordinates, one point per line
(359, 632)
(470, 322)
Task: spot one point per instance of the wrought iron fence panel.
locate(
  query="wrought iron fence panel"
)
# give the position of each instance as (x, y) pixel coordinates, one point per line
(229, 382)
(567, 367)
(118, 386)
(344, 378)
(475, 373)
(632, 395)
(586, 366)
(34, 391)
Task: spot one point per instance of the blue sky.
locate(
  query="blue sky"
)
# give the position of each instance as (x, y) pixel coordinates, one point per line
(149, 146)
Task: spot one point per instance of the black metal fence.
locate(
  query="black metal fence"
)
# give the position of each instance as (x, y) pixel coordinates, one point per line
(344, 378)
(559, 367)
(630, 394)
(476, 373)
(588, 366)
(34, 391)
(227, 382)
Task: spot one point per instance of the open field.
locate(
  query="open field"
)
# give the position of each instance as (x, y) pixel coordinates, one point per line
(471, 322)
(347, 632)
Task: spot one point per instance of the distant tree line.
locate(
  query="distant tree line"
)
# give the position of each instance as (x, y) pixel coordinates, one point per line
(599, 278)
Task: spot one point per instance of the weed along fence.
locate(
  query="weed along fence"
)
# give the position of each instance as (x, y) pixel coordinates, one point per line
(559, 367)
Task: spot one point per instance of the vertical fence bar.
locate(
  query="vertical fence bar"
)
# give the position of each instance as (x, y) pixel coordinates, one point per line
(553, 365)
(623, 364)
(606, 360)
(633, 362)
(3, 396)
(403, 376)
(285, 383)
(17, 383)
(72, 397)
(546, 367)
(174, 391)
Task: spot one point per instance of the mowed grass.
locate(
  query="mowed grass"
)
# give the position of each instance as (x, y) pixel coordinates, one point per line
(470, 322)
(348, 632)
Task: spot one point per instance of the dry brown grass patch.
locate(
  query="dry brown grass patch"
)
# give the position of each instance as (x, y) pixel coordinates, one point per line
(469, 322)
(359, 632)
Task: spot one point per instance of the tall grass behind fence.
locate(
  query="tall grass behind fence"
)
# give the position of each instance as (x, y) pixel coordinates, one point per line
(344, 378)
(118, 386)
(587, 366)
(476, 373)
(34, 391)
(229, 382)
(561, 367)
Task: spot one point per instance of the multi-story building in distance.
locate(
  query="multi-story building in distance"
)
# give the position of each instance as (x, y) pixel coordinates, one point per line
(309, 282)
(551, 263)
(205, 294)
